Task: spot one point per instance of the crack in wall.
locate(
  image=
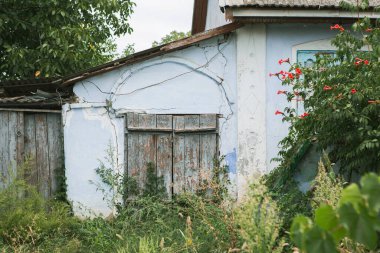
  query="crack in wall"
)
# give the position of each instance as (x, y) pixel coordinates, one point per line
(114, 90)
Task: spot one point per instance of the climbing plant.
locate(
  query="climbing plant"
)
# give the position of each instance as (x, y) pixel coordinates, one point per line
(340, 94)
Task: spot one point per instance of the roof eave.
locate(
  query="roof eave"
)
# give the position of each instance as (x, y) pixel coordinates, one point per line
(271, 14)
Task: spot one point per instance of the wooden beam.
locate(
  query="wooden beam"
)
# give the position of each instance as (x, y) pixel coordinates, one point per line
(199, 16)
(29, 110)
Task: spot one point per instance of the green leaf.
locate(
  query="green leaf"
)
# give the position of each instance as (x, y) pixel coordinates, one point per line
(326, 218)
(351, 194)
(319, 241)
(300, 225)
(371, 189)
(360, 225)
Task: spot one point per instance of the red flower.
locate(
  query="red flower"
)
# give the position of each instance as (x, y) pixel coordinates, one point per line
(298, 71)
(278, 113)
(304, 115)
(327, 87)
(281, 61)
(290, 75)
(281, 92)
(358, 61)
(337, 27)
(353, 91)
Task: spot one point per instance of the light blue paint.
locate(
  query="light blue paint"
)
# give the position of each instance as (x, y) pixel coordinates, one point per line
(231, 159)
(281, 38)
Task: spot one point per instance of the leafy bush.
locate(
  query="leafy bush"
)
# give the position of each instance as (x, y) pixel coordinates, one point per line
(356, 217)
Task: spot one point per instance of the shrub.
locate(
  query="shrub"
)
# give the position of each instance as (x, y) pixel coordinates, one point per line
(356, 217)
(27, 221)
(259, 222)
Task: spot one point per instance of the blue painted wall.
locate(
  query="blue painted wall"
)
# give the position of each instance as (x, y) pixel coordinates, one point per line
(281, 38)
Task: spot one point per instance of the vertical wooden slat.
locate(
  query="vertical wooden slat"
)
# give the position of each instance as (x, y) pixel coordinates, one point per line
(12, 139)
(20, 139)
(132, 150)
(164, 152)
(31, 174)
(54, 139)
(208, 147)
(42, 155)
(147, 146)
(192, 154)
(4, 146)
(178, 156)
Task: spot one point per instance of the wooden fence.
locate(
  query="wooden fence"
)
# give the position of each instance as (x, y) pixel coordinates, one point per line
(36, 137)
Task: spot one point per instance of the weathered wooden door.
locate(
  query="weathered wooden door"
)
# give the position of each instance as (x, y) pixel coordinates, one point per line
(37, 138)
(182, 148)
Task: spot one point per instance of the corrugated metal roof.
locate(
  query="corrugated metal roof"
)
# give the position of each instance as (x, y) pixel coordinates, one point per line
(291, 3)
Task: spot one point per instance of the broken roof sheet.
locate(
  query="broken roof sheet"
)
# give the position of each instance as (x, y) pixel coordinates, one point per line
(291, 3)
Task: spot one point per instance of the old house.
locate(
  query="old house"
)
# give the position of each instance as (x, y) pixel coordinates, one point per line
(182, 104)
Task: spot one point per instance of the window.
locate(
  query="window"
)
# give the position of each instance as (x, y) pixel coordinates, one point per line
(182, 148)
(307, 58)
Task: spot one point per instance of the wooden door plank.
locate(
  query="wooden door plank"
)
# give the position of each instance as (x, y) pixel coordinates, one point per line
(147, 147)
(164, 121)
(164, 152)
(31, 174)
(132, 120)
(208, 147)
(178, 156)
(208, 150)
(42, 155)
(192, 154)
(132, 160)
(207, 121)
(54, 138)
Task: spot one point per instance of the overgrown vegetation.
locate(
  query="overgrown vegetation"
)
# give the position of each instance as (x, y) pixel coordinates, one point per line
(356, 217)
(340, 96)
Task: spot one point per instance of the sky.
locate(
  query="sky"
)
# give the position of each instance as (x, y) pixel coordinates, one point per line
(153, 19)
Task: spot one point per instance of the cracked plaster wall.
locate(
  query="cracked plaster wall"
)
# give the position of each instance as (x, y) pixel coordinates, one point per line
(199, 79)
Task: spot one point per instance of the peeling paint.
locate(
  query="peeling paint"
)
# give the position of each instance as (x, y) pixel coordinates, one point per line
(231, 159)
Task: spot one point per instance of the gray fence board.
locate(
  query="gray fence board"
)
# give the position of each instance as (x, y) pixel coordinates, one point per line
(36, 138)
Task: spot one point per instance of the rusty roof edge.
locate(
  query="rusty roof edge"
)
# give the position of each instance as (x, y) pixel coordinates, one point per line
(68, 80)
(150, 53)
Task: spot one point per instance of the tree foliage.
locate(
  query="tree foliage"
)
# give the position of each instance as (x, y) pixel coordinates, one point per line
(54, 38)
(172, 36)
(341, 98)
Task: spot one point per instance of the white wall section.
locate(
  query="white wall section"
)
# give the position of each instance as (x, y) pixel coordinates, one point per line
(251, 72)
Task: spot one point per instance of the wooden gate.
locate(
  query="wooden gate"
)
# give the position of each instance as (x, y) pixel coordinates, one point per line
(36, 137)
(182, 148)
